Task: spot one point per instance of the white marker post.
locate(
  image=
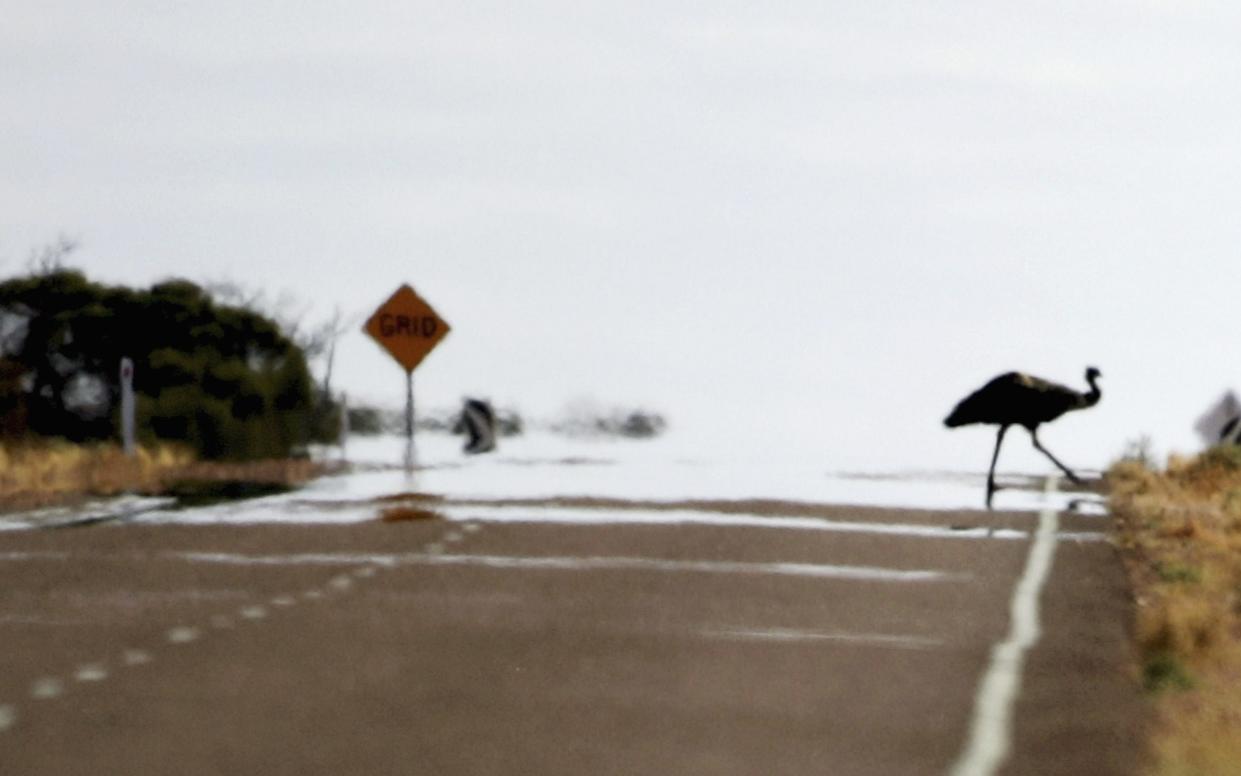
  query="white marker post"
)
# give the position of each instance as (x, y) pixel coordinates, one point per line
(410, 456)
(127, 406)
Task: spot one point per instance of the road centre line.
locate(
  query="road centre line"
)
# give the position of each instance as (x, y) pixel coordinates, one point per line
(991, 728)
(54, 687)
(136, 657)
(253, 612)
(183, 634)
(91, 672)
(46, 688)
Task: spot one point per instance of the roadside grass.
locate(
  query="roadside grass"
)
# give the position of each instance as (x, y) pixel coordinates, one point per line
(1179, 531)
(48, 472)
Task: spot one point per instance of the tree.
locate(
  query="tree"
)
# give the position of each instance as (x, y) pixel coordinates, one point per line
(222, 378)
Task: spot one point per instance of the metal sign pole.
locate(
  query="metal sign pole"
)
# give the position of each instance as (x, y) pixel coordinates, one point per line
(409, 421)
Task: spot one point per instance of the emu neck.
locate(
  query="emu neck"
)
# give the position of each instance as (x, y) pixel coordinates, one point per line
(1091, 397)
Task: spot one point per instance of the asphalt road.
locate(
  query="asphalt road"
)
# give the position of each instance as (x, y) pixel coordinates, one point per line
(481, 647)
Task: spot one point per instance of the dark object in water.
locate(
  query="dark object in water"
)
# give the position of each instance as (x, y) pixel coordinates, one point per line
(1230, 434)
(479, 422)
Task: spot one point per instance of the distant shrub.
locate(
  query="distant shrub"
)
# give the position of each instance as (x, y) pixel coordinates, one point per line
(367, 421)
(587, 420)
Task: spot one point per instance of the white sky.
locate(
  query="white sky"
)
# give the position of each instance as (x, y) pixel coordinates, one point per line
(833, 216)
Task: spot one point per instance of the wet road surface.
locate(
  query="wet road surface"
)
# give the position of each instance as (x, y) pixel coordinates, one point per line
(853, 642)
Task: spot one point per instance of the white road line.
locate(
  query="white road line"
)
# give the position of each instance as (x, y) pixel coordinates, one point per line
(46, 688)
(183, 634)
(366, 572)
(991, 729)
(793, 636)
(824, 570)
(136, 657)
(586, 516)
(8, 716)
(433, 555)
(471, 527)
(91, 672)
(33, 556)
(253, 612)
(453, 536)
(301, 559)
(283, 600)
(341, 582)
(312, 595)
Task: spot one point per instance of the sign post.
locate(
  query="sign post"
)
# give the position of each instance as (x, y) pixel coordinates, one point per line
(408, 328)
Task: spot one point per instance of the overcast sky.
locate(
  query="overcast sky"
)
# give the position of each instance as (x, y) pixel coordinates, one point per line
(833, 216)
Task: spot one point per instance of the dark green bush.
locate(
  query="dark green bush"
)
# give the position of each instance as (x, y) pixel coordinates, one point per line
(224, 380)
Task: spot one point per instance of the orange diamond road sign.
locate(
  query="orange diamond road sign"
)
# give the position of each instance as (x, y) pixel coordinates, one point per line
(407, 327)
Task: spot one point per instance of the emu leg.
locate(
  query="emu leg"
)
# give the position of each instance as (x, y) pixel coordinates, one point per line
(1068, 472)
(995, 456)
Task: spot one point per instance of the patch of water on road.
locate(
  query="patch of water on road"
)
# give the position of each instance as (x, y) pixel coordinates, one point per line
(544, 465)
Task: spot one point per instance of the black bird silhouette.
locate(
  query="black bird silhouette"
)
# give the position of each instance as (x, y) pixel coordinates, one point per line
(1023, 400)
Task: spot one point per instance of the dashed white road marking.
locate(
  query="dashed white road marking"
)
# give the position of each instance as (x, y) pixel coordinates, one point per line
(253, 612)
(136, 657)
(283, 600)
(341, 582)
(183, 634)
(453, 536)
(434, 548)
(46, 688)
(312, 595)
(366, 572)
(991, 729)
(472, 527)
(8, 716)
(91, 672)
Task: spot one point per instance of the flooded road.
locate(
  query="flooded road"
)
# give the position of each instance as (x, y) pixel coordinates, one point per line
(556, 630)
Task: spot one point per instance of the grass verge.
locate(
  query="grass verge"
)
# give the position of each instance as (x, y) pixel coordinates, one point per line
(1180, 534)
(50, 473)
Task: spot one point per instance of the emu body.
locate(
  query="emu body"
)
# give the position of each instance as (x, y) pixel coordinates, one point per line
(1017, 399)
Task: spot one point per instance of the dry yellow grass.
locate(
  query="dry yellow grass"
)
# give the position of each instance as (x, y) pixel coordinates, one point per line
(1180, 531)
(34, 474)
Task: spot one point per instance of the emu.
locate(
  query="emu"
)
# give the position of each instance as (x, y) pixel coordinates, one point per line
(1020, 399)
